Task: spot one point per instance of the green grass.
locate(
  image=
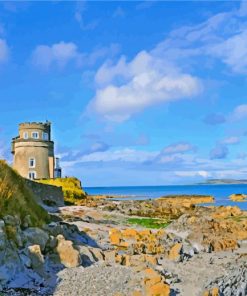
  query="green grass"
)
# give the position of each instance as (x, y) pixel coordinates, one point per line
(16, 199)
(149, 222)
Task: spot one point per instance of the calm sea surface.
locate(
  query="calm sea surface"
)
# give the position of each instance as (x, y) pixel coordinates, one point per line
(220, 192)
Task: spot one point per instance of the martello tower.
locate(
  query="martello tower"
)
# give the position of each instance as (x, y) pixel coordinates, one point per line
(33, 151)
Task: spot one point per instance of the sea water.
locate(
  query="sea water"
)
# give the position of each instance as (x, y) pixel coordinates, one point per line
(220, 192)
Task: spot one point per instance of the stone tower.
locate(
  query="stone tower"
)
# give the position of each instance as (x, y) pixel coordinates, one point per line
(33, 151)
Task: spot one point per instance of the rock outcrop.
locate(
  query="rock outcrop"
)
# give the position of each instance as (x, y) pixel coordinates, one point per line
(68, 255)
(238, 197)
(233, 283)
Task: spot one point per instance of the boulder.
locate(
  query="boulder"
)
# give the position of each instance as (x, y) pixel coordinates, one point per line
(52, 243)
(10, 263)
(97, 254)
(37, 259)
(86, 256)
(154, 285)
(175, 251)
(36, 236)
(109, 256)
(69, 256)
(115, 236)
(26, 261)
(213, 292)
(223, 244)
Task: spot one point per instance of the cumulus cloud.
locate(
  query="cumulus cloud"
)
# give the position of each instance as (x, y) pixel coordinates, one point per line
(219, 152)
(4, 51)
(62, 53)
(127, 88)
(164, 73)
(58, 54)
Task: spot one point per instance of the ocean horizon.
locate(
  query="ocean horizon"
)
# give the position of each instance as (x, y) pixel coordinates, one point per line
(221, 192)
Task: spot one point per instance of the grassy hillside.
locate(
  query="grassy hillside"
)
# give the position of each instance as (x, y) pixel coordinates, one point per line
(71, 187)
(16, 199)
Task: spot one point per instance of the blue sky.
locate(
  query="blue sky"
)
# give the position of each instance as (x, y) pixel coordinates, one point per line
(139, 93)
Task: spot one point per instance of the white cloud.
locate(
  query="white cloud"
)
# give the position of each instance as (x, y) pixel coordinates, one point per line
(128, 88)
(203, 174)
(164, 73)
(4, 51)
(239, 113)
(62, 53)
(59, 54)
(219, 152)
(178, 148)
(123, 155)
(243, 8)
(233, 51)
(222, 37)
(80, 16)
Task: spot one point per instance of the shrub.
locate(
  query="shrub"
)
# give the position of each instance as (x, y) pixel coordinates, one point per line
(71, 187)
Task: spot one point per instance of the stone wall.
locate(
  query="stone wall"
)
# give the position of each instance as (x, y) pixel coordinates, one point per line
(48, 194)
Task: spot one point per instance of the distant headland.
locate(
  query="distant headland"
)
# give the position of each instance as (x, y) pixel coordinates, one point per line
(224, 181)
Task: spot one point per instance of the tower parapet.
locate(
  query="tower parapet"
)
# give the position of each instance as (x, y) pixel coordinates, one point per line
(33, 151)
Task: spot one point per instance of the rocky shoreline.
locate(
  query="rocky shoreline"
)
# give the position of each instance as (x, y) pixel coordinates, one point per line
(96, 249)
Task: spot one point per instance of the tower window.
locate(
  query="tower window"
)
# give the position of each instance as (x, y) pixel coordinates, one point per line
(32, 175)
(32, 162)
(25, 135)
(45, 136)
(35, 135)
